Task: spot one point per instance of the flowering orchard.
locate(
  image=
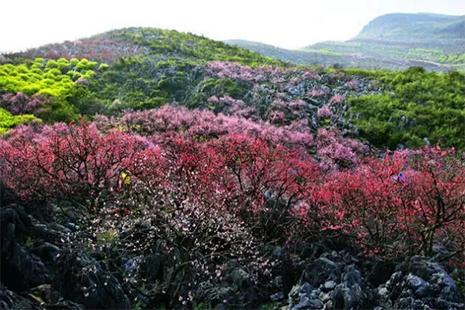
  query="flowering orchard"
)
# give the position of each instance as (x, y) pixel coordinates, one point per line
(403, 202)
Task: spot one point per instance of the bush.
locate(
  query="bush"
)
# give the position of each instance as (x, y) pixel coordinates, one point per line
(51, 85)
(138, 83)
(47, 77)
(67, 162)
(405, 203)
(216, 87)
(20, 103)
(8, 121)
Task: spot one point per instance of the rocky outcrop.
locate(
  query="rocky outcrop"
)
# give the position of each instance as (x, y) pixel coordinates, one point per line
(11, 300)
(420, 284)
(333, 281)
(28, 279)
(38, 272)
(81, 278)
(21, 270)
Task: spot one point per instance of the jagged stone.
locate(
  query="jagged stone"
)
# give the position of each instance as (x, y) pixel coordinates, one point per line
(421, 284)
(11, 301)
(331, 282)
(21, 269)
(82, 279)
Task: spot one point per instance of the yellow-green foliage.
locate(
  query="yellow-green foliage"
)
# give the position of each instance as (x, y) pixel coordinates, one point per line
(7, 120)
(48, 77)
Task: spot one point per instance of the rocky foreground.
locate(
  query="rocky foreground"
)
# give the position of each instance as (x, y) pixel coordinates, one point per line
(43, 269)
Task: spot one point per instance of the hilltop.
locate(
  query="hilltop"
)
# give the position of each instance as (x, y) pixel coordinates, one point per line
(112, 45)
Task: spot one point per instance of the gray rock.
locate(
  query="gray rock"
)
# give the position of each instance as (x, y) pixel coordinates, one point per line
(418, 285)
(240, 277)
(73, 227)
(21, 269)
(320, 271)
(383, 292)
(307, 303)
(277, 297)
(421, 284)
(324, 297)
(47, 252)
(329, 285)
(305, 289)
(82, 279)
(342, 285)
(10, 300)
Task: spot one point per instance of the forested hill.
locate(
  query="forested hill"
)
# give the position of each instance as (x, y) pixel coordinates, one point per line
(112, 45)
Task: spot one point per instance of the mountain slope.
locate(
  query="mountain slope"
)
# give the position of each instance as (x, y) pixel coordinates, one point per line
(145, 68)
(294, 56)
(139, 68)
(346, 54)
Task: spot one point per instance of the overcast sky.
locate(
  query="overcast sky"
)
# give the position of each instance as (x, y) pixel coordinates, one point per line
(284, 23)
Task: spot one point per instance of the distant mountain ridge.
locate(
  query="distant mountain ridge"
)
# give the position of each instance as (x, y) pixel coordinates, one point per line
(406, 27)
(393, 41)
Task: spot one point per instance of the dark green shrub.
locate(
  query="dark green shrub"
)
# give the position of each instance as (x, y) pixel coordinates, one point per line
(416, 107)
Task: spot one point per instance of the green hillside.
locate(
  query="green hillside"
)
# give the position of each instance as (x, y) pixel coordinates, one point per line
(131, 68)
(145, 68)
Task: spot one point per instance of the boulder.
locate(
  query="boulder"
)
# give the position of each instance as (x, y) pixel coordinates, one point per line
(420, 284)
(21, 269)
(10, 300)
(82, 279)
(47, 252)
(332, 281)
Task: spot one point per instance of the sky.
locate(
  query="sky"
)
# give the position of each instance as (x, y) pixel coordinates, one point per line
(284, 23)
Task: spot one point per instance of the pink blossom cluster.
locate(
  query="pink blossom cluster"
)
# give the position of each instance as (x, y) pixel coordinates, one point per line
(169, 119)
(231, 106)
(104, 49)
(338, 152)
(337, 98)
(20, 103)
(403, 201)
(237, 71)
(324, 111)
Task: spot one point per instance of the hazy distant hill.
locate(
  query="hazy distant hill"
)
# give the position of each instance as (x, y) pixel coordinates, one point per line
(395, 41)
(411, 27)
(294, 56)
